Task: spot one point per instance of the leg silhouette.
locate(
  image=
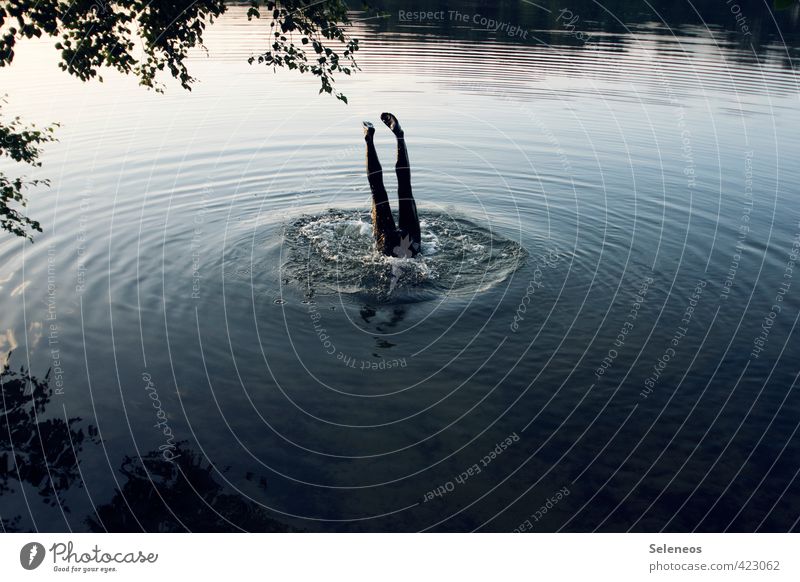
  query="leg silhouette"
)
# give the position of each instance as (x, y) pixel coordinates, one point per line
(408, 218)
(383, 227)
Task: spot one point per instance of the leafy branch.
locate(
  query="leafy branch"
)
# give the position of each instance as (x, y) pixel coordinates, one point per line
(21, 144)
(151, 39)
(311, 24)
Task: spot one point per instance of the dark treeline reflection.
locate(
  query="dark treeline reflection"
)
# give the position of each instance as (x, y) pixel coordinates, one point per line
(178, 495)
(43, 452)
(763, 26)
(34, 450)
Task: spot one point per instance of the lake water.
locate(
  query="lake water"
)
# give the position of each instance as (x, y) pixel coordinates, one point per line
(599, 334)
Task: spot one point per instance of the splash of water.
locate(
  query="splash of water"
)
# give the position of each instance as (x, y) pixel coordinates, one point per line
(334, 253)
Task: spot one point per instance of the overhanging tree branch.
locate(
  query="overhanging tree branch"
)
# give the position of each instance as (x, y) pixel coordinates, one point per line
(152, 40)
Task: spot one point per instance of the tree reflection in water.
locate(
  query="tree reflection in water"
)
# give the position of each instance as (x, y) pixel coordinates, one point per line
(34, 450)
(178, 495)
(158, 495)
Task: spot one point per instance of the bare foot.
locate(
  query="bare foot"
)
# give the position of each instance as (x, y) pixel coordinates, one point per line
(391, 122)
(369, 130)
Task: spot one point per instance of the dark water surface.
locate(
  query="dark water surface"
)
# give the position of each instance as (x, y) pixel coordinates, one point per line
(599, 335)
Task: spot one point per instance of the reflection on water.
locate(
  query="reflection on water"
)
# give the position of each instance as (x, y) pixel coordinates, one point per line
(37, 450)
(210, 251)
(699, 46)
(184, 495)
(157, 495)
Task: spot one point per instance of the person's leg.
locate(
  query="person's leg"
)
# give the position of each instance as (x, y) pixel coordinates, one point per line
(408, 218)
(383, 227)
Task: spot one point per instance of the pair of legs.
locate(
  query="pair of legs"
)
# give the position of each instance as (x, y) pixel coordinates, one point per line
(402, 240)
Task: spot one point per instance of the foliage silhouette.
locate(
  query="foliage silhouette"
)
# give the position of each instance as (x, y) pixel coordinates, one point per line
(153, 39)
(42, 452)
(178, 495)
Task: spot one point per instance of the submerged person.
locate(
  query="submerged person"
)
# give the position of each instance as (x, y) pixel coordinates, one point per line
(403, 240)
